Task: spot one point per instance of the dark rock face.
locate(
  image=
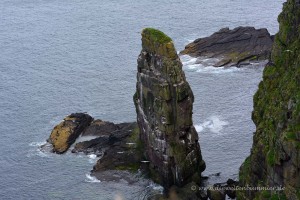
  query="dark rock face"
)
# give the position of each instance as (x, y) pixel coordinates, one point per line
(275, 154)
(96, 146)
(216, 194)
(100, 128)
(64, 134)
(164, 103)
(233, 47)
(124, 152)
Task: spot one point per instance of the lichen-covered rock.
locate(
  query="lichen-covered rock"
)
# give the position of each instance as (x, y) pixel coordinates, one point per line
(275, 154)
(164, 104)
(64, 134)
(233, 47)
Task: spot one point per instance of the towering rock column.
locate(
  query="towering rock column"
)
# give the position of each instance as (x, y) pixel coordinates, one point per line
(164, 104)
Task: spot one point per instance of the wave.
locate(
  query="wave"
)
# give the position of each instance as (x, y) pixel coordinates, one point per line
(92, 158)
(91, 179)
(37, 151)
(156, 187)
(205, 65)
(213, 124)
(37, 144)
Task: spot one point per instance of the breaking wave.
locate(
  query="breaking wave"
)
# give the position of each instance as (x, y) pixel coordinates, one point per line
(213, 124)
(91, 179)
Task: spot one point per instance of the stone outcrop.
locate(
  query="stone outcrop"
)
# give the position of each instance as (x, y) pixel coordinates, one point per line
(64, 134)
(125, 151)
(233, 47)
(164, 104)
(275, 154)
(117, 145)
(100, 128)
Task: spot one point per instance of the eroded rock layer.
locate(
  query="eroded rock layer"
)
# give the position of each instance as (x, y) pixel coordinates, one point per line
(64, 134)
(164, 104)
(275, 154)
(233, 47)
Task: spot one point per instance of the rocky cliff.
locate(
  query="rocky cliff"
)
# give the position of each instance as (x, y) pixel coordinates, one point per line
(233, 47)
(164, 104)
(275, 155)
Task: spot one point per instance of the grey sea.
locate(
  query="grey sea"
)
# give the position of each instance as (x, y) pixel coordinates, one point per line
(59, 57)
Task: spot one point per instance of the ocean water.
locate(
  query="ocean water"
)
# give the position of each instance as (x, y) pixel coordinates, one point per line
(59, 57)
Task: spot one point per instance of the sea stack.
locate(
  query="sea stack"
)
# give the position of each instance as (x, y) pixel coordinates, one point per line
(164, 106)
(275, 154)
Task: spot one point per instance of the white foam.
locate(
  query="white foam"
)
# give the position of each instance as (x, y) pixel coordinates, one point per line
(217, 70)
(205, 65)
(85, 138)
(91, 179)
(213, 124)
(92, 158)
(187, 60)
(37, 152)
(42, 154)
(37, 144)
(156, 187)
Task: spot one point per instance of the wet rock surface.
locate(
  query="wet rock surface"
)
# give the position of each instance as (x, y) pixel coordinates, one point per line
(64, 134)
(233, 47)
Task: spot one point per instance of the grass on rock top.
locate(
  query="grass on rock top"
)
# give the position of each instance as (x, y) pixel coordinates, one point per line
(157, 35)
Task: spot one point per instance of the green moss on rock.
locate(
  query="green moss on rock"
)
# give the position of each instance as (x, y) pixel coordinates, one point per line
(158, 43)
(156, 35)
(274, 158)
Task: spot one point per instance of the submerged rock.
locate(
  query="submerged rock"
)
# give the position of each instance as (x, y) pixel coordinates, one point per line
(275, 154)
(164, 104)
(64, 134)
(233, 47)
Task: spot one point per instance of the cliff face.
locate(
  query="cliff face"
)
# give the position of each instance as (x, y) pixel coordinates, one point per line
(164, 103)
(275, 155)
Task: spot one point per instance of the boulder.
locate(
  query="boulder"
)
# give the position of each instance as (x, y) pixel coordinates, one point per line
(64, 134)
(164, 106)
(233, 47)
